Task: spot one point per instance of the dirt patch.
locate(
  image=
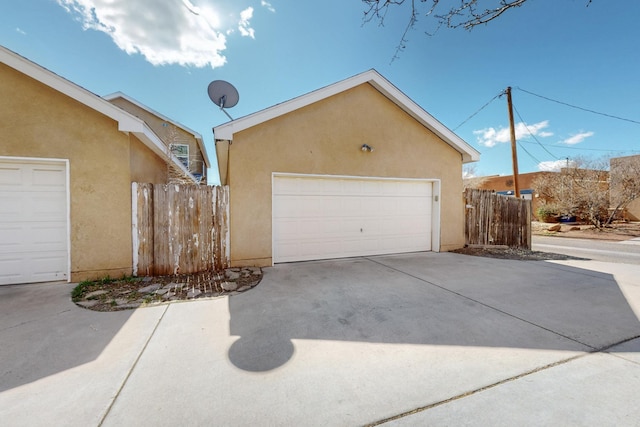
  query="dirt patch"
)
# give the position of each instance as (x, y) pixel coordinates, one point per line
(512, 253)
(131, 293)
(616, 232)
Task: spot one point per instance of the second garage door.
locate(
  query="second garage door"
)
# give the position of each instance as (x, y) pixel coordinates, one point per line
(33, 221)
(328, 217)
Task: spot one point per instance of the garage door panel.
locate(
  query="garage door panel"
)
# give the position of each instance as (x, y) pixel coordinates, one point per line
(33, 221)
(320, 218)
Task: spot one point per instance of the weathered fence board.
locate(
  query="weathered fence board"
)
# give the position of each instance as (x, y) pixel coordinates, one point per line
(494, 219)
(179, 228)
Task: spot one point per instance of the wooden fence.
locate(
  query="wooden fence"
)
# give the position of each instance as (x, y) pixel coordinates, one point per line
(494, 219)
(179, 228)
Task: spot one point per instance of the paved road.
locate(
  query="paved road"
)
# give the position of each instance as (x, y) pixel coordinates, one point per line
(627, 252)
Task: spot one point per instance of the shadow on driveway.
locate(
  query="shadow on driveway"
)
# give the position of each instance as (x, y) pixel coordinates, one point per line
(43, 333)
(428, 299)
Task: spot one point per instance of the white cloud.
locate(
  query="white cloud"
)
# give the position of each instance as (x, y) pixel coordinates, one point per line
(577, 138)
(555, 165)
(186, 32)
(21, 31)
(268, 5)
(490, 137)
(244, 26)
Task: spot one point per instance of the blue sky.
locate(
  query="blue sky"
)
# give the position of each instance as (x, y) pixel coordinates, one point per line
(164, 53)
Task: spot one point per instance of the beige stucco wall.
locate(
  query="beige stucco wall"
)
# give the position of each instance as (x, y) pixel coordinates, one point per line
(39, 122)
(325, 138)
(168, 133)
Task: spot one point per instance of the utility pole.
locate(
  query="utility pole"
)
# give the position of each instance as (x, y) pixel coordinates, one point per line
(514, 153)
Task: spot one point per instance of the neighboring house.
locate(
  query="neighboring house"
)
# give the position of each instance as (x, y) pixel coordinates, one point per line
(67, 161)
(186, 144)
(505, 185)
(355, 168)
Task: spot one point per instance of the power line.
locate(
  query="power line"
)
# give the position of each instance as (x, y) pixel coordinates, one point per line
(580, 108)
(532, 135)
(579, 148)
(480, 109)
(530, 155)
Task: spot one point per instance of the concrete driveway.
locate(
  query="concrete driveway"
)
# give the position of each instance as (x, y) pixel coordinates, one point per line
(417, 339)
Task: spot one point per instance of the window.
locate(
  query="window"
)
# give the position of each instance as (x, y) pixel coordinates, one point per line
(181, 151)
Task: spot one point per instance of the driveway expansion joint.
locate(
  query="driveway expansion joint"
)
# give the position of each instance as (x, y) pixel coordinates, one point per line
(135, 363)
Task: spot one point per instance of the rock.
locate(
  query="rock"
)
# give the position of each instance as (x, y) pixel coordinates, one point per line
(94, 294)
(229, 286)
(556, 227)
(244, 288)
(147, 279)
(574, 229)
(194, 293)
(168, 295)
(170, 286)
(87, 304)
(162, 291)
(148, 289)
(121, 301)
(254, 270)
(232, 275)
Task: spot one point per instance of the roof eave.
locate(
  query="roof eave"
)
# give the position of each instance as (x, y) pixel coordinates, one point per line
(227, 130)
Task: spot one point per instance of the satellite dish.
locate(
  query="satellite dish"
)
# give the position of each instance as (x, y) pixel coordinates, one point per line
(223, 94)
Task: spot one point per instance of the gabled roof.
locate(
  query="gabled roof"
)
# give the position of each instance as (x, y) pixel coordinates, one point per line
(372, 77)
(126, 122)
(195, 134)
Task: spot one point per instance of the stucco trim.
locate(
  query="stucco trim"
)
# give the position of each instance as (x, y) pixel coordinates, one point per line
(68, 195)
(195, 134)
(372, 77)
(435, 212)
(126, 122)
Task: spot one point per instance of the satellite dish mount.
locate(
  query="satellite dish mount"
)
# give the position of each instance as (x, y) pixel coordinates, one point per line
(224, 95)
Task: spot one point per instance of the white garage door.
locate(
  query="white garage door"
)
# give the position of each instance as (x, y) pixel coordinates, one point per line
(321, 218)
(33, 221)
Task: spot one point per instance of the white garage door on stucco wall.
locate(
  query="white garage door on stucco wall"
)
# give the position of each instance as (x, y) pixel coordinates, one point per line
(322, 217)
(33, 221)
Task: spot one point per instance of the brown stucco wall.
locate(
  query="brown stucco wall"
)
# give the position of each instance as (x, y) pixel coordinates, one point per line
(505, 183)
(40, 122)
(168, 133)
(325, 138)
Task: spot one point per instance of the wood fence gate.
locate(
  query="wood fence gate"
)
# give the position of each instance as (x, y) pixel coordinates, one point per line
(179, 228)
(494, 219)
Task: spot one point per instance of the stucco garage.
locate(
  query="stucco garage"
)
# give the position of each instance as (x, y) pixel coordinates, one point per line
(67, 161)
(34, 219)
(355, 168)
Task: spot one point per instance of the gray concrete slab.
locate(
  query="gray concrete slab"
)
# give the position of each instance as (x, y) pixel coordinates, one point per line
(345, 342)
(60, 363)
(595, 390)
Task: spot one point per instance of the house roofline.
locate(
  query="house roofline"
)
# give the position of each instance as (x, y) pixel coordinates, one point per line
(126, 122)
(195, 134)
(227, 130)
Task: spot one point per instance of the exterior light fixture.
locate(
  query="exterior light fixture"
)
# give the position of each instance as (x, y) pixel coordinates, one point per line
(366, 147)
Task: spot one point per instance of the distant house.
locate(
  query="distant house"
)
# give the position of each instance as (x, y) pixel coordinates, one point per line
(186, 144)
(67, 161)
(355, 168)
(505, 185)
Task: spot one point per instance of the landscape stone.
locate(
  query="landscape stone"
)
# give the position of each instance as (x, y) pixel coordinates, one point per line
(194, 293)
(229, 286)
(95, 294)
(244, 288)
(88, 304)
(162, 291)
(147, 279)
(121, 301)
(149, 288)
(231, 274)
(556, 227)
(168, 295)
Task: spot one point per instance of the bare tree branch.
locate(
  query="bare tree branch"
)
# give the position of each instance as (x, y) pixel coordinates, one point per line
(468, 14)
